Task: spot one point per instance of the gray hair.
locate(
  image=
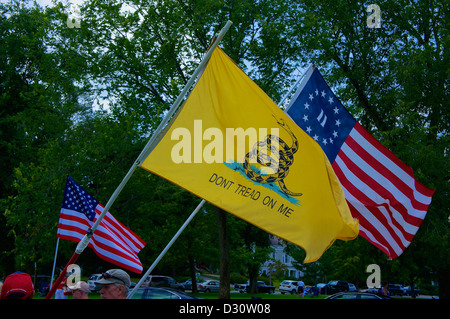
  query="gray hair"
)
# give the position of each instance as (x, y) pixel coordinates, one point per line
(125, 288)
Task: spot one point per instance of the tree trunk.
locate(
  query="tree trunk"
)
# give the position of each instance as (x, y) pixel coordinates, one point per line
(444, 282)
(224, 292)
(192, 271)
(253, 278)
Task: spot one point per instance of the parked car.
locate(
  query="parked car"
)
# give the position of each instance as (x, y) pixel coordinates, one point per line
(209, 286)
(396, 290)
(188, 283)
(241, 287)
(161, 293)
(376, 291)
(336, 286)
(162, 281)
(352, 287)
(288, 286)
(354, 295)
(321, 287)
(408, 291)
(93, 278)
(261, 287)
(42, 284)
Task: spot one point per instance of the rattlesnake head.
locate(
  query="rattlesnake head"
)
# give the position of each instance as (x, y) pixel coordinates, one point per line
(280, 122)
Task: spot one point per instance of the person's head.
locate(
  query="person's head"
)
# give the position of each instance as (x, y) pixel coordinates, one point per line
(80, 290)
(18, 285)
(115, 284)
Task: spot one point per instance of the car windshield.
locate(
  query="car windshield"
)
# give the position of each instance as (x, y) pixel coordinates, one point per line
(347, 296)
(154, 294)
(368, 297)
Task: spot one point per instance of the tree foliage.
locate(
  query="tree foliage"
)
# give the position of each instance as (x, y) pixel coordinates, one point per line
(83, 101)
(395, 81)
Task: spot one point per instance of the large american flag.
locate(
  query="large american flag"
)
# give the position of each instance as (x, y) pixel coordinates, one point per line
(380, 190)
(111, 241)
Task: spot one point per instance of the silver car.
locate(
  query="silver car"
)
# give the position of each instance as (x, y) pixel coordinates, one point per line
(161, 293)
(354, 295)
(288, 286)
(209, 286)
(92, 279)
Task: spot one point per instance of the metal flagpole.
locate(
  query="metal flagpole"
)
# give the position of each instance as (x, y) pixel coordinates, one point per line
(200, 205)
(85, 241)
(290, 90)
(54, 261)
(62, 275)
(306, 73)
(161, 255)
(180, 98)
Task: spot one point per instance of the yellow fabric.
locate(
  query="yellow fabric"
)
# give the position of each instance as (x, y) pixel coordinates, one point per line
(195, 153)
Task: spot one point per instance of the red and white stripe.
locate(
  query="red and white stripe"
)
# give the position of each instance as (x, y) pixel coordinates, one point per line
(111, 241)
(381, 191)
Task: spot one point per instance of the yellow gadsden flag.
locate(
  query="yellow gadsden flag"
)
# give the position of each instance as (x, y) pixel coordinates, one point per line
(231, 145)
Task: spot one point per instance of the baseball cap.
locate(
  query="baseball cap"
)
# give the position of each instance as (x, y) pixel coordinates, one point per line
(17, 285)
(80, 285)
(114, 276)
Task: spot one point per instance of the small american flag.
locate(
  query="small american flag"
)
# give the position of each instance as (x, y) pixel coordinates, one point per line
(380, 190)
(111, 241)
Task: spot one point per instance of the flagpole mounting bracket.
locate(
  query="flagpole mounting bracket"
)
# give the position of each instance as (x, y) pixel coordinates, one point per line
(84, 242)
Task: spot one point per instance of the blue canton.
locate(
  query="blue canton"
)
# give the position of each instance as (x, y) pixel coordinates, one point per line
(77, 199)
(320, 114)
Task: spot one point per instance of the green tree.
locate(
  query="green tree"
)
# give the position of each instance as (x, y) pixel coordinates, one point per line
(394, 80)
(83, 101)
(141, 53)
(255, 250)
(38, 102)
